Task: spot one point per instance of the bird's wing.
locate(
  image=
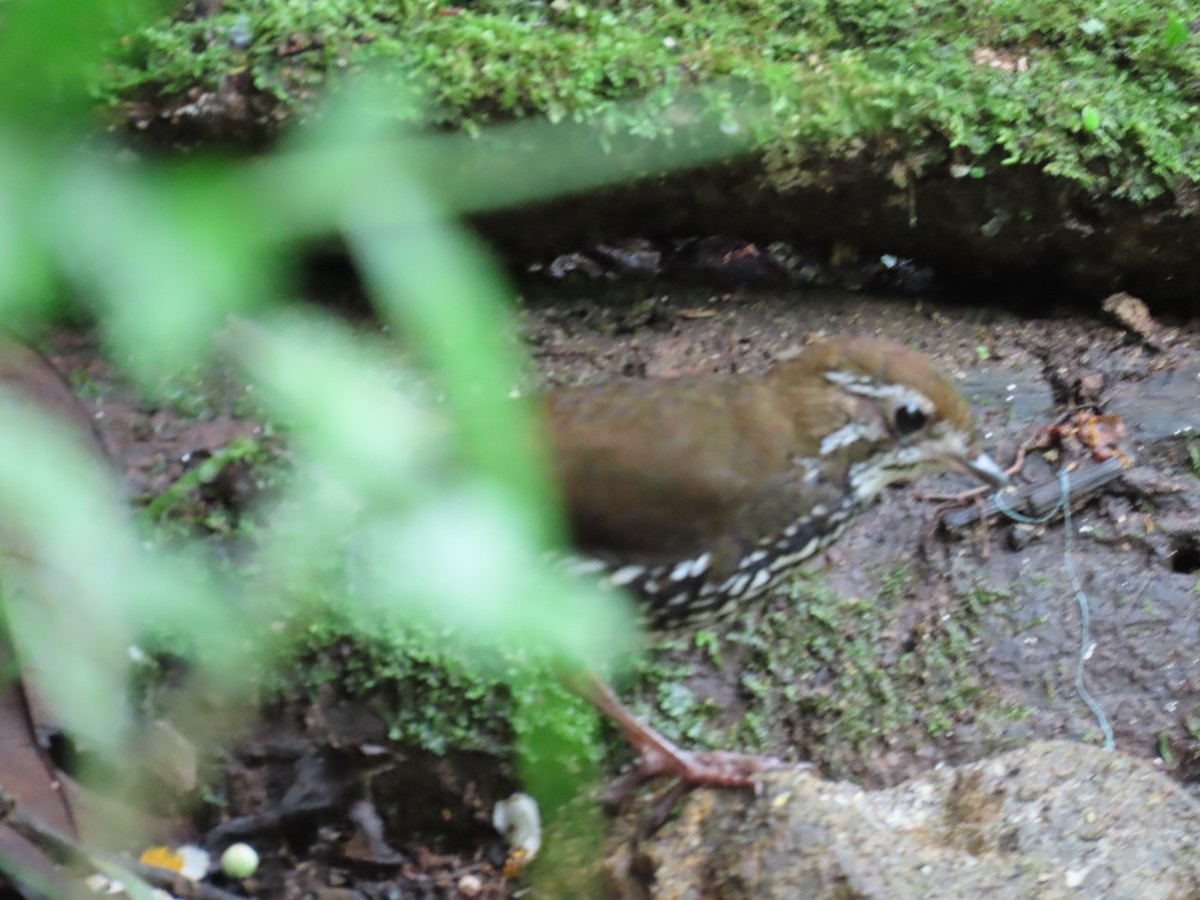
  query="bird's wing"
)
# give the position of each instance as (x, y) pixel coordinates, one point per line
(658, 486)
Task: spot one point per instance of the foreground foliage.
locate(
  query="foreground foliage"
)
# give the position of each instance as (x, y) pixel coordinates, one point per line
(422, 525)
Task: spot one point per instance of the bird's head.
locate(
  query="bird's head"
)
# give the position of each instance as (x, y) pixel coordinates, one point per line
(883, 413)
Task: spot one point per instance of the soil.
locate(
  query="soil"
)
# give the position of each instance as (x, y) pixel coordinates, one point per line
(1135, 547)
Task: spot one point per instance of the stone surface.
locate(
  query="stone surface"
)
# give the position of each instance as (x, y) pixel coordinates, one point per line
(1054, 819)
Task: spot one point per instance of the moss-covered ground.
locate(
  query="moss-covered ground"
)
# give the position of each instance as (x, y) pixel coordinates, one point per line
(815, 675)
(807, 675)
(1102, 94)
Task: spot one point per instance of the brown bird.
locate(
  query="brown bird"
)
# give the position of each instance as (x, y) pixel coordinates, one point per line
(697, 494)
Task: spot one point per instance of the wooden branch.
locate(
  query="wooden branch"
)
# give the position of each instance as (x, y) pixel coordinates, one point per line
(1036, 500)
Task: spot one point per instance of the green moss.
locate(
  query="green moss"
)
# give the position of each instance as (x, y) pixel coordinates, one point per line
(825, 677)
(431, 697)
(812, 675)
(1101, 93)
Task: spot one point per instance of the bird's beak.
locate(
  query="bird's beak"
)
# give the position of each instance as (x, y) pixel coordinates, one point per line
(985, 468)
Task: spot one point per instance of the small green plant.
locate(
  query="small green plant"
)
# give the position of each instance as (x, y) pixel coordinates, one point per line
(707, 640)
(1030, 623)
(1192, 724)
(88, 389)
(895, 582)
(1164, 748)
(810, 655)
(938, 724)
(244, 451)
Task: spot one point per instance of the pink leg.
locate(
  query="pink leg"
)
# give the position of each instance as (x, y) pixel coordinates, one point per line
(660, 756)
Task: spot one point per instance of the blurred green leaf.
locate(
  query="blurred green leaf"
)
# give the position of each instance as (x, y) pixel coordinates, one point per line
(68, 558)
(347, 417)
(420, 496)
(1175, 34)
(50, 51)
(167, 253)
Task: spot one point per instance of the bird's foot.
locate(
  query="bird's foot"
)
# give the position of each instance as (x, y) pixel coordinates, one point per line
(659, 756)
(713, 769)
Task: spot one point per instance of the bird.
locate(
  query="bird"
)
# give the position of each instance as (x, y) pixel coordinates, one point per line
(697, 494)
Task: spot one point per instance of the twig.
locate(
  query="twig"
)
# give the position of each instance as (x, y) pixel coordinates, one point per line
(983, 489)
(1037, 499)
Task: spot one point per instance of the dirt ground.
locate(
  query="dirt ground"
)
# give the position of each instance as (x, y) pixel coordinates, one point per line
(1134, 547)
(1135, 544)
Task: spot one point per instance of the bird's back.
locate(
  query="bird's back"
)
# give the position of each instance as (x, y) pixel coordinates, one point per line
(697, 493)
(656, 469)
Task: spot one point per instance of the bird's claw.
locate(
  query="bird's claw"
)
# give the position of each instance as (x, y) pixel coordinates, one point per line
(690, 770)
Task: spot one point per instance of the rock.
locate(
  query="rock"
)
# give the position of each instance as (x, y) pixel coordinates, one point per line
(1054, 819)
(1160, 411)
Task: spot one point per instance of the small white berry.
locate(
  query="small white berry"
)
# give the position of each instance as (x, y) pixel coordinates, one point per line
(239, 861)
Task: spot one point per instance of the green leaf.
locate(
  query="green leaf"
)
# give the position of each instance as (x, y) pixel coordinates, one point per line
(1175, 34)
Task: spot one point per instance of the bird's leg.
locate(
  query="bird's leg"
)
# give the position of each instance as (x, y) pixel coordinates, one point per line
(660, 756)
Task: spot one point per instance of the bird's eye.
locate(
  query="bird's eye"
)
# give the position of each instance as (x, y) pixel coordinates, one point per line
(910, 418)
